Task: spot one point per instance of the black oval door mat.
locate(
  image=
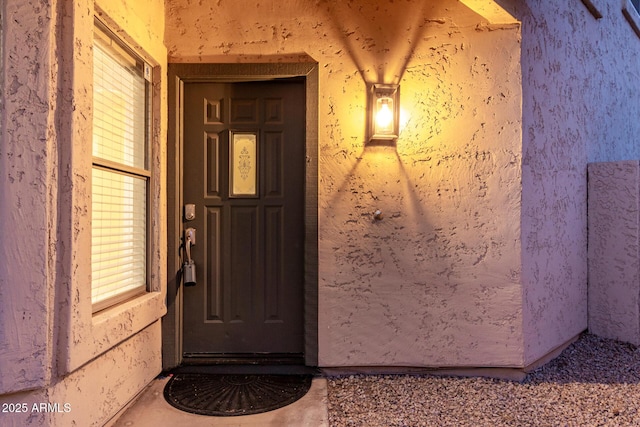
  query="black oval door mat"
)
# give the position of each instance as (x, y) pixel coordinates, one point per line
(231, 395)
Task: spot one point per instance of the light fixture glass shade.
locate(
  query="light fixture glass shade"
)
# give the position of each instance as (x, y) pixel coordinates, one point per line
(383, 114)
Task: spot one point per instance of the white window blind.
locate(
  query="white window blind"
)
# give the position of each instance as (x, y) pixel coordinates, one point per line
(120, 174)
(118, 250)
(119, 105)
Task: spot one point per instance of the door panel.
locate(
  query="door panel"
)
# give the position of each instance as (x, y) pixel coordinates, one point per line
(214, 297)
(249, 253)
(212, 156)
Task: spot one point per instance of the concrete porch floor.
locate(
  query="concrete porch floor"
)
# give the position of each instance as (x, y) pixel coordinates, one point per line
(151, 409)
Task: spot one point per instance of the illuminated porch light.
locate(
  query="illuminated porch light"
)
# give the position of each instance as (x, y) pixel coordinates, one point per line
(384, 116)
(383, 112)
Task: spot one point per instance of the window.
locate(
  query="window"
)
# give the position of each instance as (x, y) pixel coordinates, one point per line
(120, 173)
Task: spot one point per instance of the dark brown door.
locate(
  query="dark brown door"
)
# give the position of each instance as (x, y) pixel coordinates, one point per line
(244, 158)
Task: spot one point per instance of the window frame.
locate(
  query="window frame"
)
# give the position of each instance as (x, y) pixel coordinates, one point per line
(146, 172)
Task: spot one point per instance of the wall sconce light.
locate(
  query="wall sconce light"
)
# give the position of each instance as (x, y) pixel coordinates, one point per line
(384, 112)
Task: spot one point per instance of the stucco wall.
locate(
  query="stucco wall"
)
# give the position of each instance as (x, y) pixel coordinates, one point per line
(93, 394)
(28, 185)
(437, 281)
(614, 250)
(52, 348)
(87, 336)
(580, 86)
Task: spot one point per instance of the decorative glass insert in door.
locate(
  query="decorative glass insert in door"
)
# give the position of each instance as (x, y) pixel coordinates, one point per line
(243, 164)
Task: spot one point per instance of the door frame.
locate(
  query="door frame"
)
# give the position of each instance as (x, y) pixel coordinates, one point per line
(178, 75)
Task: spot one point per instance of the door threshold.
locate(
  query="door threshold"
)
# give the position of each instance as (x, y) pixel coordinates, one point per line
(243, 359)
(245, 363)
(246, 370)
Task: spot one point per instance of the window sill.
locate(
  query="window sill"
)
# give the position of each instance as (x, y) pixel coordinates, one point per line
(114, 325)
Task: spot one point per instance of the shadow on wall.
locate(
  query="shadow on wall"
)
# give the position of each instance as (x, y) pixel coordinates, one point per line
(382, 168)
(381, 38)
(398, 243)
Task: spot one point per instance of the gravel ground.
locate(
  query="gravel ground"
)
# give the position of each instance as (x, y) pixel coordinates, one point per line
(594, 382)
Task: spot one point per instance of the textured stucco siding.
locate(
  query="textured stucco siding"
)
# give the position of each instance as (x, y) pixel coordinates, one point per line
(95, 393)
(437, 281)
(53, 349)
(136, 23)
(481, 256)
(614, 250)
(28, 185)
(580, 90)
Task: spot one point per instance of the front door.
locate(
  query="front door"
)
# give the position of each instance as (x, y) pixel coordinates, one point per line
(244, 169)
